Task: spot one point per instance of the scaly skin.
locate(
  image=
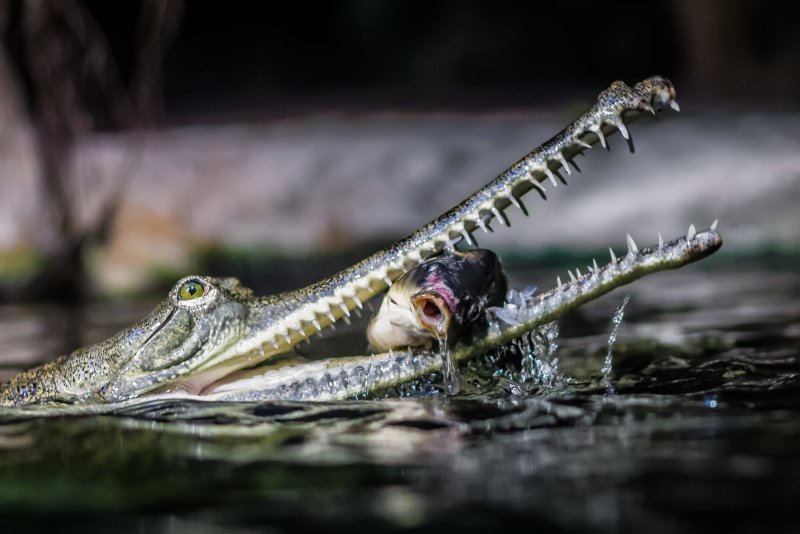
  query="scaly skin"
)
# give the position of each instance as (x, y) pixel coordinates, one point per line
(351, 377)
(347, 378)
(191, 344)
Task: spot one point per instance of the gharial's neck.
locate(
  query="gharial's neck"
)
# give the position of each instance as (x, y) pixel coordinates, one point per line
(291, 317)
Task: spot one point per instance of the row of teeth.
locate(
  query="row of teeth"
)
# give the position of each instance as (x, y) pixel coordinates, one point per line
(345, 382)
(536, 166)
(519, 304)
(532, 169)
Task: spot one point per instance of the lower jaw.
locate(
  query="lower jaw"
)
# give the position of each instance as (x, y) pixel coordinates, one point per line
(203, 382)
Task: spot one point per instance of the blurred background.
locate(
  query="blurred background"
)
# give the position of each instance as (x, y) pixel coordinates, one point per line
(143, 140)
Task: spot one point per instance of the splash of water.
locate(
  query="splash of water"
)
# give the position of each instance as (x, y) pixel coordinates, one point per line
(608, 363)
(537, 350)
(452, 379)
(540, 360)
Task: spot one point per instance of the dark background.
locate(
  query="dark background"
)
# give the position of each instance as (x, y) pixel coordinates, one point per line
(250, 60)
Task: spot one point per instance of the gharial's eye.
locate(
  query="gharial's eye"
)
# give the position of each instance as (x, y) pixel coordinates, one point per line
(191, 290)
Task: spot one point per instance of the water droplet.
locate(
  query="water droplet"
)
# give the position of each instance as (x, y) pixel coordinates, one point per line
(608, 363)
(452, 380)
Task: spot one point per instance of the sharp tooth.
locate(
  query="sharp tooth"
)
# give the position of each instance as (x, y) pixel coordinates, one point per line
(583, 143)
(660, 241)
(613, 256)
(594, 264)
(539, 188)
(674, 105)
(518, 203)
(647, 107)
(287, 338)
(482, 224)
(467, 238)
(387, 281)
(564, 163)
(331, 317)
(344, 309)
(316, 325)
(713, 226)
(577, 272)
(358, 302)
(599, 133)
(275, 343)
(472, 242)
(571, 276)
(623, 129)
(690, 233)
(632, 248)
(552, 176)
(500, 216)
(558, 279)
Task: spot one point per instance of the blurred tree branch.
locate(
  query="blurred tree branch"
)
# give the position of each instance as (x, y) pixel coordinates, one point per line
(75, 86)
(158, 25)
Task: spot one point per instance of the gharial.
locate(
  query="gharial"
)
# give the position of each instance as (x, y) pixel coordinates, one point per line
(208, 328)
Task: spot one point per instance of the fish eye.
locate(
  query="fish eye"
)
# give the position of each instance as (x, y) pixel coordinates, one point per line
(191, 290)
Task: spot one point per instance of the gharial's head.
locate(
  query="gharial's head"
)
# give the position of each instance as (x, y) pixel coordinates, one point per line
(186, 333)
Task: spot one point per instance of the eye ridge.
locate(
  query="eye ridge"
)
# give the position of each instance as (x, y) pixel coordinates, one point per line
(193, 289)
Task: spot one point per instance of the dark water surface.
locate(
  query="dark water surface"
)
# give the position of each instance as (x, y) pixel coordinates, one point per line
(702, 433)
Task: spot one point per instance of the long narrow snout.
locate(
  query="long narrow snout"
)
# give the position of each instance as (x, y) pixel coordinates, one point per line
(86, 371)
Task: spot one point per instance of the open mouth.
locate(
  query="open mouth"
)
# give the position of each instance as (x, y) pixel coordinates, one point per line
(432, 312)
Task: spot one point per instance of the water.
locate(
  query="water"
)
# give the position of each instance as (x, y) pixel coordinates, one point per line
(702, 433)
(608, 363)
(450, 375)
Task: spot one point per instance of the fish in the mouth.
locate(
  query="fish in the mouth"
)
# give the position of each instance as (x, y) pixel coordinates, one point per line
(443, 298)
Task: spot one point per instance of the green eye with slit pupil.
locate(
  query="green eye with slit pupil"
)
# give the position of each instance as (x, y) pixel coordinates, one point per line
(191, 290)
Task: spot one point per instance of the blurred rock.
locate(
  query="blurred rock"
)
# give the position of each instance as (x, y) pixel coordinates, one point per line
(329, 181)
